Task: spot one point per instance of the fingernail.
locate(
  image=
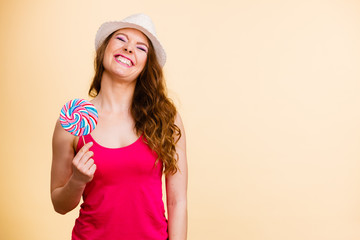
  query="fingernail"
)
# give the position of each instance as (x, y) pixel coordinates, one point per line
(91, 143)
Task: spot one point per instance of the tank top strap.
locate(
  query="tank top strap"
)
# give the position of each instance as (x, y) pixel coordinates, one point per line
(87, 138)
(81, 143)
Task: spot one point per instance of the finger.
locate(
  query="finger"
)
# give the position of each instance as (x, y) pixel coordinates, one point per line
(85, 158)
(92, 169)
(88, 164)
(81, 152)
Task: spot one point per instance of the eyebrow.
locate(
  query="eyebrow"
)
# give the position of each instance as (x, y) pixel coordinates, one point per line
(128, 38)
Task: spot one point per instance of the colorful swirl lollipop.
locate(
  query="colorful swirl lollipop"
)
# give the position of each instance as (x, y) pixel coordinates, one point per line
(79, 117)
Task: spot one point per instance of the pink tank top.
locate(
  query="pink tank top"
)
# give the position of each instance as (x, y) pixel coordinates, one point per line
(124, 199)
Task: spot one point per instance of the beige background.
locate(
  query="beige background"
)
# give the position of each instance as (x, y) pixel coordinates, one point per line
(268, 92)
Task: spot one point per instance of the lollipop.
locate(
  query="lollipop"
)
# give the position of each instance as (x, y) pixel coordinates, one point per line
(79, 117)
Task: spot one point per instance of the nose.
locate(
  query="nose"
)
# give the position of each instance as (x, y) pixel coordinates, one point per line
(128, 48)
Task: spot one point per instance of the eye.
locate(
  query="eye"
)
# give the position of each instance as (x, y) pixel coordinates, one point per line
(142, 49)
(121, 39)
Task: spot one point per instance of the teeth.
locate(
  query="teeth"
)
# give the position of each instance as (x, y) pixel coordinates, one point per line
(124, 60)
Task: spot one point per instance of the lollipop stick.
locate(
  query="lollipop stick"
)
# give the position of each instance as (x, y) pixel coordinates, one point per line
(83, 139)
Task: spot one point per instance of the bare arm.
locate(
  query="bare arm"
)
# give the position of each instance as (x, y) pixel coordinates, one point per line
(176, 190)
(69, 173)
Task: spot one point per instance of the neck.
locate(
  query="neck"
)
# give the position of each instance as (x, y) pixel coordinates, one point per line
(115, 95)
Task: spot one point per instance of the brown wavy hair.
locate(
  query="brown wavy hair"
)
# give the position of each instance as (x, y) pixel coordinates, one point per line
(153, 112)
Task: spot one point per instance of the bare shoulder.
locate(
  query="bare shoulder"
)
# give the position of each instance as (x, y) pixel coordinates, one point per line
(61, 136)
(179, 122)
(178, 119)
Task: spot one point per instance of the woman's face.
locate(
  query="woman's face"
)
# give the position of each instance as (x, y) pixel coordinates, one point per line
(126, 53)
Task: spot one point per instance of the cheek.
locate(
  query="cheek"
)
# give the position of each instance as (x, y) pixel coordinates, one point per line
(143, 60)
(143, 65)
(105, 61)
(108, 58)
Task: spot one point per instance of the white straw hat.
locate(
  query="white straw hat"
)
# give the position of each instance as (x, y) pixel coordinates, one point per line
(140, 22)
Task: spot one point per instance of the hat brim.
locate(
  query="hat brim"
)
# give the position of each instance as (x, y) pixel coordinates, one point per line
(109, 27)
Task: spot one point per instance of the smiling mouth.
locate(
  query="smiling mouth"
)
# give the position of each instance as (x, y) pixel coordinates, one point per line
(124, 60)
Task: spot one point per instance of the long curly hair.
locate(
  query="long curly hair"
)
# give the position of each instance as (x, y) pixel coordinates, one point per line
(153, 112)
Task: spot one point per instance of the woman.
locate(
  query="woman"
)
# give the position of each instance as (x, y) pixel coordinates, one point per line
(138, 137)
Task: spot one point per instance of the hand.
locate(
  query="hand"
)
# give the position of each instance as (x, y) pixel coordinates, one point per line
(83, 166)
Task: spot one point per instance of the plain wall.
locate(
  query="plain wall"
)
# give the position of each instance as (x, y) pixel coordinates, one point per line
(268, 92)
